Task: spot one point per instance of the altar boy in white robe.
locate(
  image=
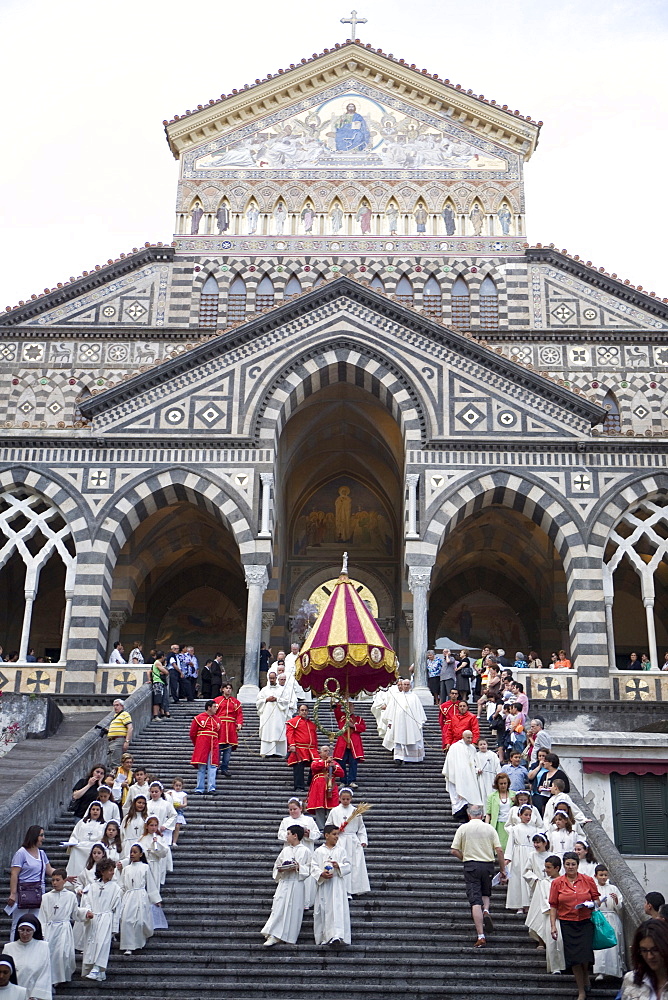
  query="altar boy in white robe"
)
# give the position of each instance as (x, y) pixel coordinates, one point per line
(331, 913)
(610, 961)
(57, 910)
(353, 840)
(291, 870)
(101, 902)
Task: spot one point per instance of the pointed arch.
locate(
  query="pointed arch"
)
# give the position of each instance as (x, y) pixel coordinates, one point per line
(377, 283)
(293, 286)
(489, 304)
(613, 422)
(432, 297)
(236, 301)
(208, 302)
(461, 304)
(404, 291)
(264, 295)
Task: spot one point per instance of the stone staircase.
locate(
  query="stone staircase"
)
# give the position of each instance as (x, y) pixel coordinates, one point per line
(412, 936)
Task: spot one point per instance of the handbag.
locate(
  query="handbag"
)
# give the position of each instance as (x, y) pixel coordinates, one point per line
(29, 894)
(604, 933)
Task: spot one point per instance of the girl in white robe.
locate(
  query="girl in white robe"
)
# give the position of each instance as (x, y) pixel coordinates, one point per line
(110, 810)
(155, 850)
(586, 860)
(538, 918)
(135, 918)
(132, 827)
(487, 766)
(56, 913)
(534, 869)
(100, 901)
(562, 835)
(353, 838)
(524, 799)
(140, 786)
(331, 913)
(32, 958)
(177, 796)
(311, 834)
(165, 813)
(87, 832)
(610, 961)
(8, 988)
(517, 851)
(98, 852)
(292, 870)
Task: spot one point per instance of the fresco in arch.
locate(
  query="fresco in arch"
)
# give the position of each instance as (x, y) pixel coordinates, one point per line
(342, 512)
(351, 130)
(482, 617)
(202, 616)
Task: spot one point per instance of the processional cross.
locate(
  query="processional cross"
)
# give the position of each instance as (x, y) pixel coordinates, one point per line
(353, 20)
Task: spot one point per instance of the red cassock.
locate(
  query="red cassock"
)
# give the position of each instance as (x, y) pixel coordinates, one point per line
(204, 733)
(302, 737)
(446, 710)
(351, 738)
(458, 724)
(318, 796)
(230, 714)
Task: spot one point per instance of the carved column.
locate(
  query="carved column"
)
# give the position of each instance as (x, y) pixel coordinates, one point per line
(257, 580)
(267, 480)
(412, 480)
(27, 621)
(418, 582)
(67, 621)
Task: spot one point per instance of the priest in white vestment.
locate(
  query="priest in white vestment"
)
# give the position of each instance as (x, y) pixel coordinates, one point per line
(290, 668)
(331, 913)
(405, 718)
(291, 870)
(461, 774)
(381, 700)
(272, 704)
(290, 696)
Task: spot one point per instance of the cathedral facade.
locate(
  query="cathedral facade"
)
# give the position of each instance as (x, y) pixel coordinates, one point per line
(349, 345)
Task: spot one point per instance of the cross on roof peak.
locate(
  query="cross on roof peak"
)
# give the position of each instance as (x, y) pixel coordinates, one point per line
(353, 21)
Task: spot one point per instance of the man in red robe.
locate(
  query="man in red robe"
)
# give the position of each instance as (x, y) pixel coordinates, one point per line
(446, 710)
(458, 723)
(204, 732)
(231, 717)
(349, 748)
(302, 739)
(324, 792)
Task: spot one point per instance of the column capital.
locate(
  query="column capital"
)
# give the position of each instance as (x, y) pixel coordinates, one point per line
(408, 618)
(268, 619)
(267, 478)
(256, 576)
(418, 577)
(412, 478)
(117, 619)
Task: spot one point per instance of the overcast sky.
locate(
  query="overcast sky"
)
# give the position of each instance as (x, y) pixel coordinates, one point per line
(86, 172)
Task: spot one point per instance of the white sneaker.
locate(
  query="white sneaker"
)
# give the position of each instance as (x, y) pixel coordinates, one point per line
(271, 940)
(94, 972)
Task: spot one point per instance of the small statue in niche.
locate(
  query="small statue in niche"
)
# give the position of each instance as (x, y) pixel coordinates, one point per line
(223, 218)
(421, 218)
(364, 219)
(337, 219)
(196, 216)
(280, 218)
(308, 218)
(252, 218)
(449, 220)
(392, 219)
(477, 219)
(505, 218)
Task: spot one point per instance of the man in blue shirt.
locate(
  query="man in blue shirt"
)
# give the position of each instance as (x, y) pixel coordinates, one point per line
(516, 771)
(189, 670)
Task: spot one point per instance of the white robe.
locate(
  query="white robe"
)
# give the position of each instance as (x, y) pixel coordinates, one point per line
(561, 841)
(312, 834)
(287, 908)
(104, 900)
(331, 913)
(291, 693)
(11, 992)
(405, 718)
(111, 812)
(290, 667)
(165, 813)
(587, 868)
(534, 869)
(273, 716)
(611, 961)
(135, 918)
(538, 922)
(156, 855)
(133, 792)
(82, 838)
(551, 805)
(352, 838)
(487, 766)
(461, 780)
(536, 819)
(33, 967)
(518, 851)
(57, 911)
(379, 699)
(131, 833)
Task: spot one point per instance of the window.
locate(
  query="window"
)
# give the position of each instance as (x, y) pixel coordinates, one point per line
(489, 305)
(377, 282)
(264, 297)
(640, 812)
(433, 298)
(404, 292)
(208, 303)
(612, 423)
(461, 305)
(293, 287)
(236, 301)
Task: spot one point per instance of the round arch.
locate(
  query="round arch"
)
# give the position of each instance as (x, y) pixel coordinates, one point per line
(328, 571)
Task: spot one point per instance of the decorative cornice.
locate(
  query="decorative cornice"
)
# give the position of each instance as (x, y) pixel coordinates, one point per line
(89, 280)
(464, 344)
(320, 71)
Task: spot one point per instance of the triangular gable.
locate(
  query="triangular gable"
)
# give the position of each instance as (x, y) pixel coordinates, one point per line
(217, 388)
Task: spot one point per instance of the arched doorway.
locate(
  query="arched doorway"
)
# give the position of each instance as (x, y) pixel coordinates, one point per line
(178, 579)
(499, 579)
(340, 470)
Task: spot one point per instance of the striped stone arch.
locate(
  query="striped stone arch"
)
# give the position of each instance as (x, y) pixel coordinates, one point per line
(528, 496)
(56, 490)
(610, 511)
(341, 362)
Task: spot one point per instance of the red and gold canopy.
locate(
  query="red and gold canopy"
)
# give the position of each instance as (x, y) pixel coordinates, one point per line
(346, 645)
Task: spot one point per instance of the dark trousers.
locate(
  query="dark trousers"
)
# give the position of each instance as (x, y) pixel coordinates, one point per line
(298, 772)
(174, 678)
(349, 764)
(225, 754)
(187, 688)
(447, 686)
